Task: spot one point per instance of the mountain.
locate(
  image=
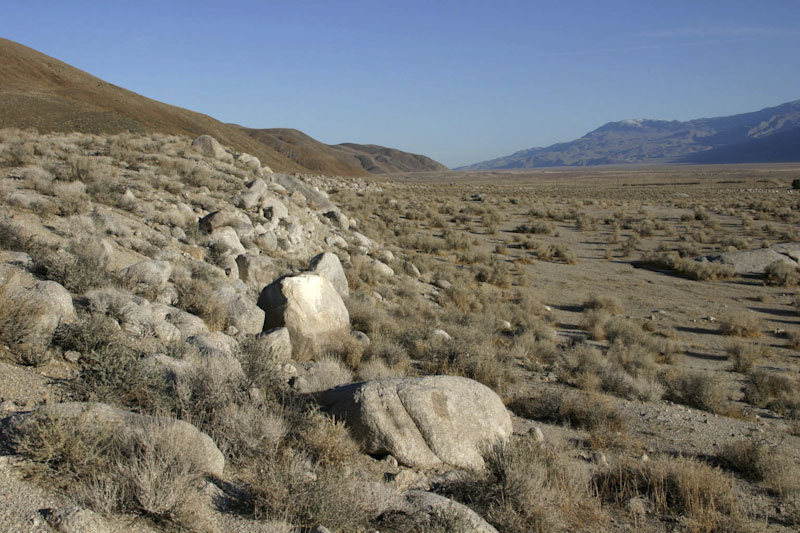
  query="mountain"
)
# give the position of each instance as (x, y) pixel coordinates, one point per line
(40, 92)
(346, 159)
(769, 135)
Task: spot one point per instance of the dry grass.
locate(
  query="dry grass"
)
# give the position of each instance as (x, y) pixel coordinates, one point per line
(143, 470)
(762, 463)
(744, 356)
(677, 487)
(533, 487)
(698, 390)
(743, 324)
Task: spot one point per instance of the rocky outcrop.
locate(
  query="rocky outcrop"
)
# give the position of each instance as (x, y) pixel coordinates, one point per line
(423, 422)
(309, 307)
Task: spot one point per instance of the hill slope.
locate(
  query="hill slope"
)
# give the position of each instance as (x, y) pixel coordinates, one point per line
(38, 91)
(768, 135)
(346, 159)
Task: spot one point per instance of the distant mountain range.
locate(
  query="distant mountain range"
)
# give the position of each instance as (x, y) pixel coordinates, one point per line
(38, 91)
(770, 135)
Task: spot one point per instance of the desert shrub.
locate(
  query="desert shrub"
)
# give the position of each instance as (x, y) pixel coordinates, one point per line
(594, 322)
(760, 462)
(781, 273)
(611, 304)
(744, 356)
(81, 266)
(590, 411)
(676, 487)
(538, 227)
(290, 488)
(345, 348)
(534, 487)
(19, 314)
(142, 470)
(774, 391)
(196, 296)
(697, 390)
(740, 325)
(327, 372)
(689, 268)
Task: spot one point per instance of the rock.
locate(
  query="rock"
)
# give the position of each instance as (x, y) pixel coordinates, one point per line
(338, 218)
(381, 268)
(756, 261)
(329, 267)
(53, 305)
(249, 161)
(309, 307)
(198, 447)
(215, 344)
(273, 210)
(277, 343)
(75, 520)
(210, 147)
(227, 217)
(257, 271)
(441, 335)
(227, 239)
(147, 277)
(363, 240)
(427, 507)
(600, 458)
(267, 242)
(361, 337)
(423, 422)
(318, 199)
(536, 434)
(240, 311)
(252, 196)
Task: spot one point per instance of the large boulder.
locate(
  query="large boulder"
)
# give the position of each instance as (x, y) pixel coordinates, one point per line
(422, 422)
(309, 307)
(103, 419)
(228, 240)
(329, 267)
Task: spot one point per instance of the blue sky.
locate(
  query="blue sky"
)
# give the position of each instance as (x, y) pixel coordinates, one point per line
(460, 81)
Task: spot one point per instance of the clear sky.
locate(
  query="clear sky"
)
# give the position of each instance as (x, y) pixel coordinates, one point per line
(461, 81)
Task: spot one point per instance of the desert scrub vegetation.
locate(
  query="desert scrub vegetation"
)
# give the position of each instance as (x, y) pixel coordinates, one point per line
(744, 356)
(744, 324)
(688, 268)
(677, 487)
(757, 461)
(531, 486)
(782, 274)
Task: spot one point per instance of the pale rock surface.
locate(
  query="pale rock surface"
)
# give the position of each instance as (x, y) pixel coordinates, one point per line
(227, 238)
(425, 506)
(276, 342)
(329, 267)
(309, 307)
(257, 271)
(147, 276)
(423, 422)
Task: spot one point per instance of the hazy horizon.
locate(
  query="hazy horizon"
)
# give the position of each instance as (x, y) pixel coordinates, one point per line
(460, 82)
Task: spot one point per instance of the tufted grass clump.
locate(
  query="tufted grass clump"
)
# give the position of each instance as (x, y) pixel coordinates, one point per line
(676, 487)
(744, 324)
(762, 463)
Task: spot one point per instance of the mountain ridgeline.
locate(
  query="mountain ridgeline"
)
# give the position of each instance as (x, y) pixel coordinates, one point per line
(770, 135)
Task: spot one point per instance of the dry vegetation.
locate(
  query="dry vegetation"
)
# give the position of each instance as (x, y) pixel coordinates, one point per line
(577, 299)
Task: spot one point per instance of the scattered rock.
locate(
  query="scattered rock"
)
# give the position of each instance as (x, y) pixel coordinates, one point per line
(210, 147)
(277, 343)
(75, 520)
(426, 507)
